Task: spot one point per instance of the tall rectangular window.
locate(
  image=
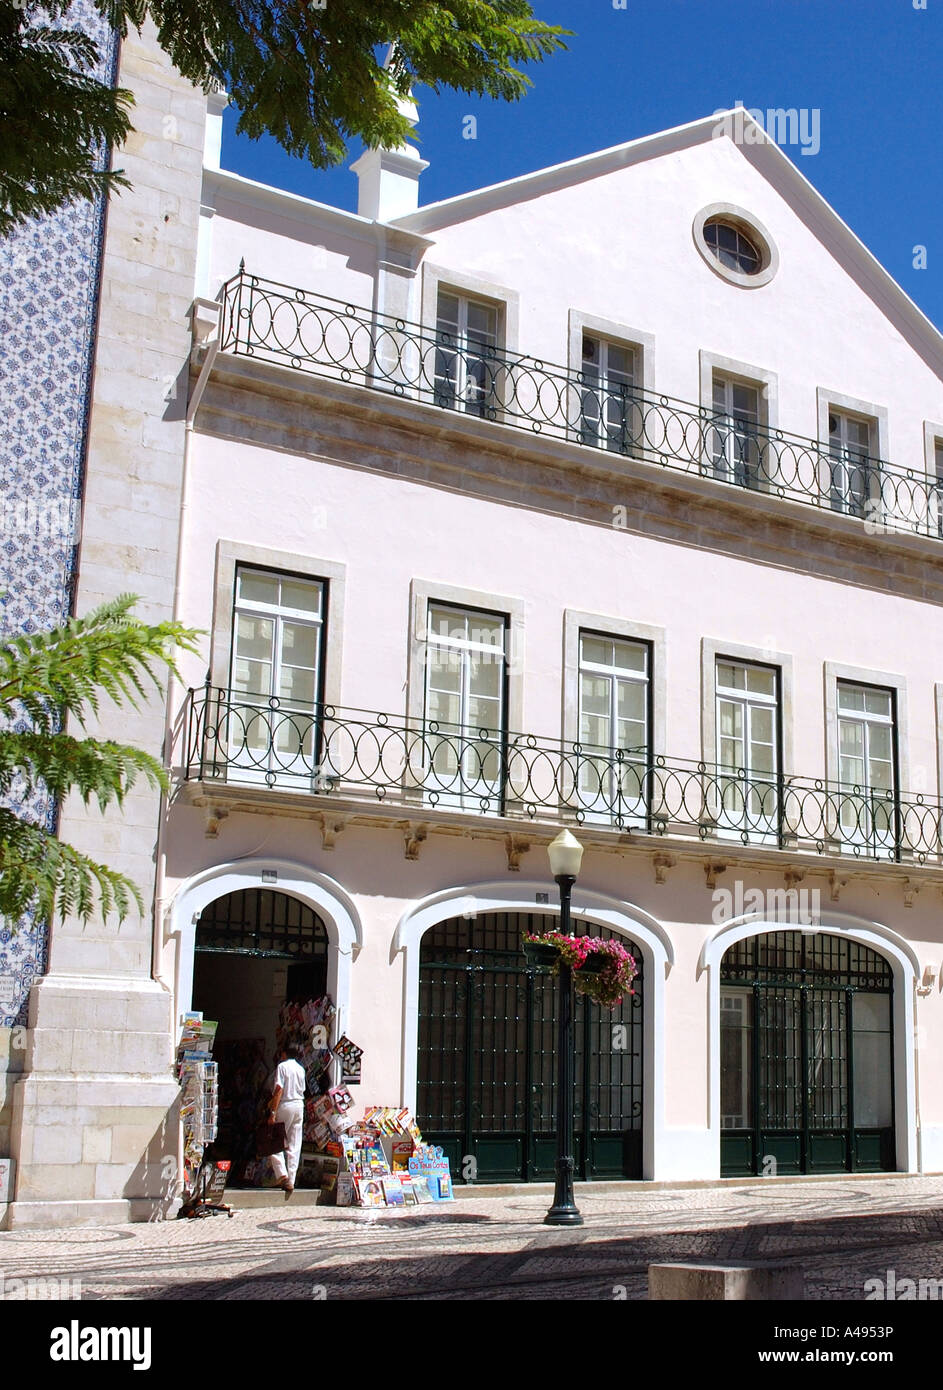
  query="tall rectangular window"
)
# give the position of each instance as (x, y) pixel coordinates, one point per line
(615, 739)
(867, 764)
(937, 483)
(610, 415)
(466, 358)
(734, 440)
(748, 746)
(275, 682)
(465, 704)
(853, 469)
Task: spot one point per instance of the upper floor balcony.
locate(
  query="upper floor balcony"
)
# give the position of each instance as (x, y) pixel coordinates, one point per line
(428, 770)
(597, 407)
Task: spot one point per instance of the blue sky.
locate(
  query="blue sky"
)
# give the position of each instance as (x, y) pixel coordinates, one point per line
(871, 68)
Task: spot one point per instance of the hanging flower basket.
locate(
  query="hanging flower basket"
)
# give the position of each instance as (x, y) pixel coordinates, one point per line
(602, 970)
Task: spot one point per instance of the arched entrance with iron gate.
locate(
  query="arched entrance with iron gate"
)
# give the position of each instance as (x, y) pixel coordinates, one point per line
(806, 1056)
(486, 1070)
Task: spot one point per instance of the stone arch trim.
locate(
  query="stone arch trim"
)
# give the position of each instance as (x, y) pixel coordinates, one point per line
(316, 890)
(497, 896)
(905, 967)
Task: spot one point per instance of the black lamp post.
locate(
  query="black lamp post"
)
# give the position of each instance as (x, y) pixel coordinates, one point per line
(565, 852)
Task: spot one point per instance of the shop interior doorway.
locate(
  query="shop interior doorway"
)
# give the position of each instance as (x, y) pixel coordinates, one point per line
(256, 951)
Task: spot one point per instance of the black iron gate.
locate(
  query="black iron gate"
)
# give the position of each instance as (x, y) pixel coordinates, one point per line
(487, 1058)
(806, 1056)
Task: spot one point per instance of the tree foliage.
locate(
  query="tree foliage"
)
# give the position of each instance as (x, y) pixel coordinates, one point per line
(45, 678)
(308, 72)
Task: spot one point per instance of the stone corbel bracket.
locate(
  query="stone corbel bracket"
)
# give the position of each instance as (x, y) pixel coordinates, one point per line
(331, 827)
(213, 816)
(711, 870)
(661, 863)
(835, 885)
(515, 847)
(414, 833)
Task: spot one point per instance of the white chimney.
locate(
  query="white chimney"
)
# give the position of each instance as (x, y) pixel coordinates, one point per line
(389, 179)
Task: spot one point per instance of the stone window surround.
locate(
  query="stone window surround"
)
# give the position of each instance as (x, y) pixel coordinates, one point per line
(229, 554)
(574, 622)
(860, 675)
(768, 383)
(471, 286)
(712, 649)
(932, 434)
(877, 414)
(424, 591)
(617, 333)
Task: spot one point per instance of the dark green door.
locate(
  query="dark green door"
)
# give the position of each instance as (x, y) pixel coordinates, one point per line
(806, 1057)
(487, 1059)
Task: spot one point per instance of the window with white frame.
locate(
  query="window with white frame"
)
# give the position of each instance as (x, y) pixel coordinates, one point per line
(466, 358)
(853, 469)
(867, 764)
(614, 724)
(735, 443)
(465, 701)
(610, 413)
(275, 681)
(747, 698)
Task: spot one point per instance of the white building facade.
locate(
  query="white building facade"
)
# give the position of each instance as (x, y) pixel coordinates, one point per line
(605, 498)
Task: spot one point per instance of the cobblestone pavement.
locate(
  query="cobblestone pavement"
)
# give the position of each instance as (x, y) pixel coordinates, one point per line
(840, 1233)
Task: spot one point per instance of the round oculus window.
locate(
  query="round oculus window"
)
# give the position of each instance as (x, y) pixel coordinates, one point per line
(732, 247)
(735, 245)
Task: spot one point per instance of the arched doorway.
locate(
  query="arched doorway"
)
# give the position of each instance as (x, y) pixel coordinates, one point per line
(487, 1057)
(806, 1056)
(255, 950)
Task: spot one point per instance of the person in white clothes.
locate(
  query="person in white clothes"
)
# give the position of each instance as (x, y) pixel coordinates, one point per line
(287, 1106)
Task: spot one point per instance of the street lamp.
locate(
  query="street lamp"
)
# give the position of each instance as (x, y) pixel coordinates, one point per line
(565, 853)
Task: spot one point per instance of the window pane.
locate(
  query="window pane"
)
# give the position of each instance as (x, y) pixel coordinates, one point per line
(445, 622)
(482, 322)
(630, 656)
(632, 699)
(878, 702)
(761, 682)
(304, 597)
(258, 588)
(252, 677)
(731, 677)
(483, 628)
(254, 637)
(297, 685)
(597, 650)
(595, 694)
(736, 1052)
(871, 1020)
(448, 312)
(850, 697)
(485, 676)
(299, 644)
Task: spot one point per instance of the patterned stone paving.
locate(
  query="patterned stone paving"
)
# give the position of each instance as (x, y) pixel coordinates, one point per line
(498, 1249)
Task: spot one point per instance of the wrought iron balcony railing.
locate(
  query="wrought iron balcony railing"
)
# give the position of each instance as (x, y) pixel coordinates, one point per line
(329, 338)
(243, 741)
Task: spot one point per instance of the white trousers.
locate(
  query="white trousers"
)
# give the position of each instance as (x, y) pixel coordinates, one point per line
(291, 1114)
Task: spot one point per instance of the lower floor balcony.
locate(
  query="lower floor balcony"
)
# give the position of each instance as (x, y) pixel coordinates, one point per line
(426, 768)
